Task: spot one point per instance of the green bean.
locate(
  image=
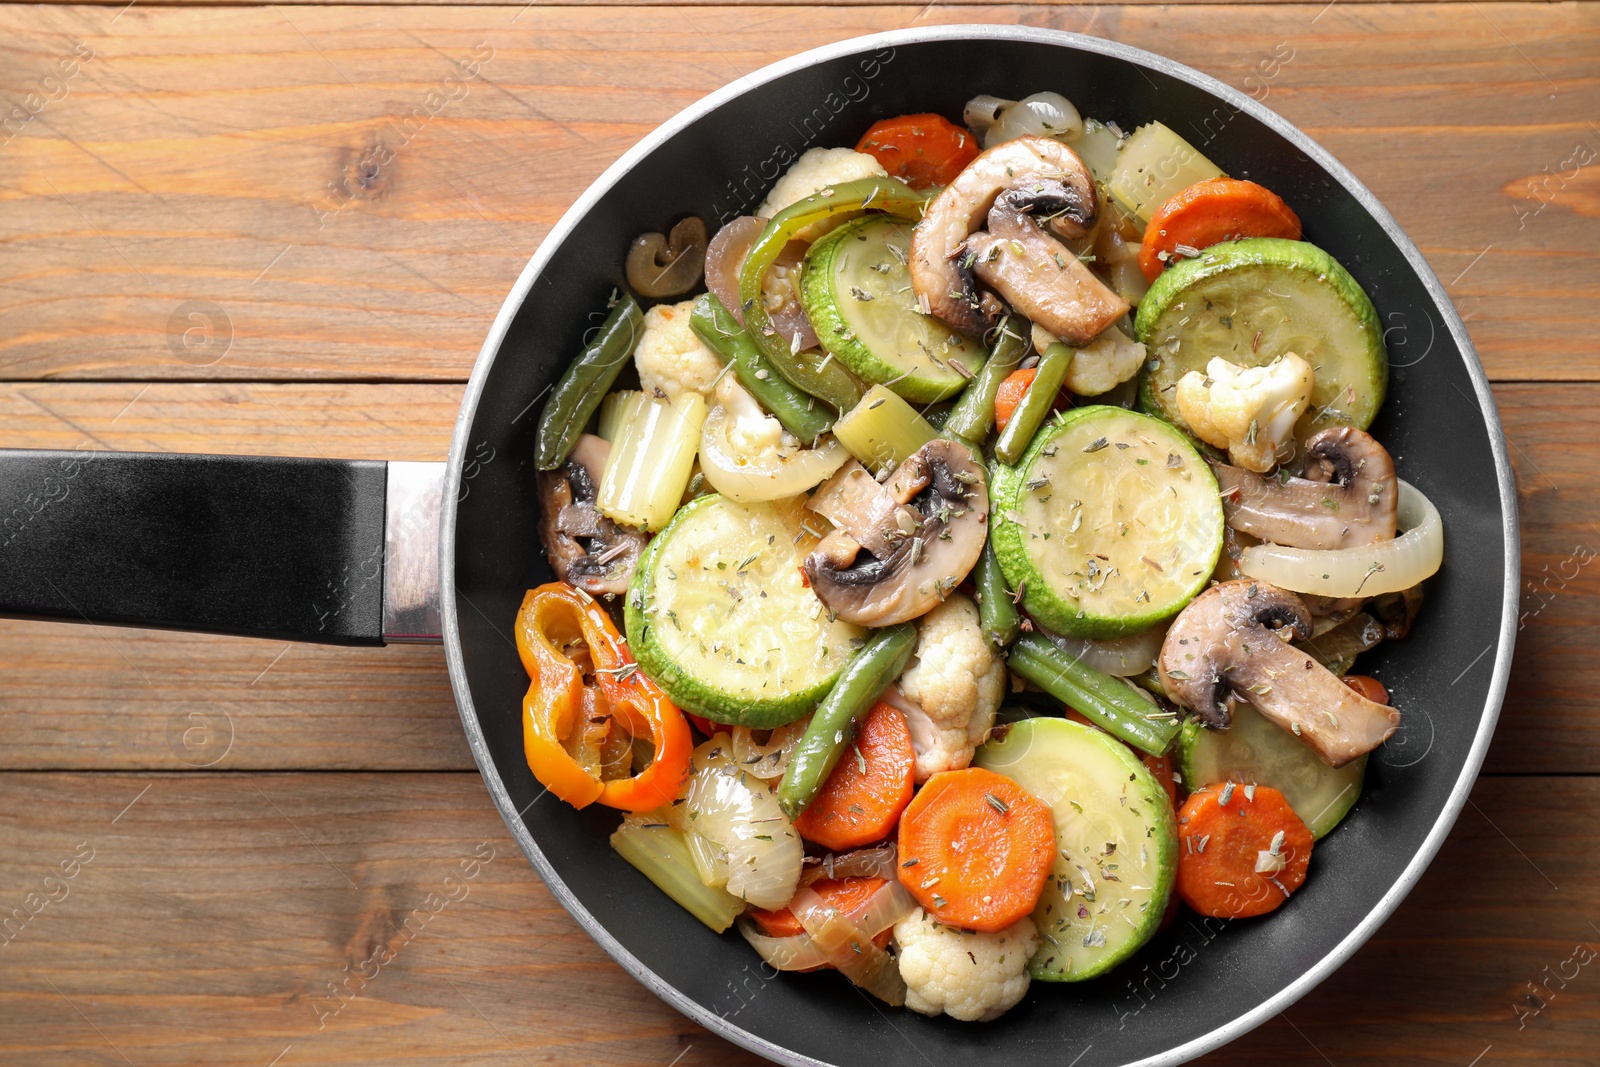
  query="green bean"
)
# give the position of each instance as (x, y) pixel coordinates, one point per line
(864, 679)
(823, 378)
(586, 381)
(800, 414)
(1110, 703)
(997, 612)
(1035, 406)
(973, 416)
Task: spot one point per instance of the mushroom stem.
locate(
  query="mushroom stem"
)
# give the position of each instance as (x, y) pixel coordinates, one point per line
(1231, 643)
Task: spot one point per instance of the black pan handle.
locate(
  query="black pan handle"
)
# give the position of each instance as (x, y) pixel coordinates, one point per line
(340, 552)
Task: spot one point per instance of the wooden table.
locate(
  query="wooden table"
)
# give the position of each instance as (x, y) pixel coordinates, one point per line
(193, 257)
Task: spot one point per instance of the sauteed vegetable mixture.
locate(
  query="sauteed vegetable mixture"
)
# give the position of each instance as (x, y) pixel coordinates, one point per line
(974, 570)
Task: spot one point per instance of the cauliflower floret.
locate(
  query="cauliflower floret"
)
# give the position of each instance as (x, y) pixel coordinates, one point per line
(968, 976)
(751, 431)
(1250, 412)
(952, 688)
(1101, 365)
(815, 170)
(671, 357)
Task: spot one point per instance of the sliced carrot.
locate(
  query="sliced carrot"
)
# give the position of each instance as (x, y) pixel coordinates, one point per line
(976, 848)
(1010, 394)
(1368, 687)
(1210, 212)
(869, 787)
(920, 150)
(1224, 831)
(846, 894)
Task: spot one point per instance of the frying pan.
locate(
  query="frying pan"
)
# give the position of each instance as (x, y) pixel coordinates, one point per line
(364, 553)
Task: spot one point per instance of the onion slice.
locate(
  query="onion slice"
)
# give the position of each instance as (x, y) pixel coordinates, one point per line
(797, 953)
(770, 760)
(744, 457)
(1370, 570)
(849, 948)
(739, 814)
(891, 903)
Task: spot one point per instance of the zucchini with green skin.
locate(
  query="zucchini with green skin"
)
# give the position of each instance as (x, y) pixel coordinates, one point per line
(873, 669)
(719, 616)
(1116, 843)
(1251, 301)
(856, 288)
(1255, 751)
(586, 381)
(1109, 524)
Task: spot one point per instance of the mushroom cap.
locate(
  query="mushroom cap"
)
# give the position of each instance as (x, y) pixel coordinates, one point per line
(1348, 497)
(943, 488)
(1040, 277)
(1230, 644)
(1037, 167)
(1190, 666)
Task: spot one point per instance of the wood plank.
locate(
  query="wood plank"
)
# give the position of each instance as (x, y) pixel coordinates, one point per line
(217, 908)
(190, 161)
(101, 698)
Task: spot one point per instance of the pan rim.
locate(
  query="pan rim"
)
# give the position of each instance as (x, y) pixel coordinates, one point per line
(1455, 802)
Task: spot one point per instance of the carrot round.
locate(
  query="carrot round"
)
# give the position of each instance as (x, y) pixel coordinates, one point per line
(869, 787)
(1210, 212)
(1368, 687)
(1225, 832)
(920, 150)
(976, 848)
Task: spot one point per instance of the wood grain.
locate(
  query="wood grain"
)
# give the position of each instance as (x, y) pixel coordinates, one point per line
(216, 910)
(191, 160)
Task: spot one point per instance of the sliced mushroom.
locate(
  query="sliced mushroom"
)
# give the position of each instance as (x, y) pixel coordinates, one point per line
(668, 265)
(585, 548)
(928, 546)
(1347, 498)
(1040, 277)
(1231, 643)
(853, 500)
(1050, 182)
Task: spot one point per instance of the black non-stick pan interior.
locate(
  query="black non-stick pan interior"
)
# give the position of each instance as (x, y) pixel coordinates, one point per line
(1198, 982)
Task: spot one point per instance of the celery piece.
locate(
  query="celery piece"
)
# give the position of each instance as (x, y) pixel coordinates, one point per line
(660, 854)
(1154, 165)
(617, 409)
(651, 459)
(882, 430)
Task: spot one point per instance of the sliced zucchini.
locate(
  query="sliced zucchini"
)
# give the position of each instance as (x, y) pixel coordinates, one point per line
(1116, 843)
(1255, 751)
(1249, 302)
(856, 289)
(1110, 523)
(719, 617)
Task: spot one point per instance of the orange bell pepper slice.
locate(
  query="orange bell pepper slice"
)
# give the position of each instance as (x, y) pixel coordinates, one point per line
(555, 624)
